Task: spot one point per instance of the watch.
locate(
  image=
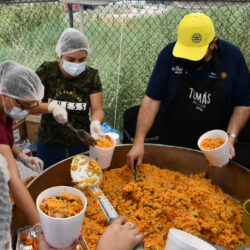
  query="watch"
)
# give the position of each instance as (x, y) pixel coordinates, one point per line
(233, 136)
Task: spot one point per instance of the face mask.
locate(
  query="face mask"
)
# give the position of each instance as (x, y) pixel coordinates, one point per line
(195, 64)
(73, 69)
(17, 113)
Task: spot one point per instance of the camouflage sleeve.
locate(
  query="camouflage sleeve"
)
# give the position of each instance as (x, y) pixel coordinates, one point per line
(97, 85)
(42, 73)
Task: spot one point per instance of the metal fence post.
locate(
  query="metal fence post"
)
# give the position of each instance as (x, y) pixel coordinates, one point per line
(71, 16)
(81, 17)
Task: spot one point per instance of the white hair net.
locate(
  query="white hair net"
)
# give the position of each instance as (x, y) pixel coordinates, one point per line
(71, 40)
(20, 82)
(5, 207)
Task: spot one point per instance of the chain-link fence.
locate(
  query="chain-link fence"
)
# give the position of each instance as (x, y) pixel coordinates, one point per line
(125, 38)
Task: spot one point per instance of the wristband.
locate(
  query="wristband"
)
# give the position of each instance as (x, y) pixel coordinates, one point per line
(233, 136)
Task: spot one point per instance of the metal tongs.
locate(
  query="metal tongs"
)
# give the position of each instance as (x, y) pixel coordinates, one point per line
(83, 135)
(135, 170)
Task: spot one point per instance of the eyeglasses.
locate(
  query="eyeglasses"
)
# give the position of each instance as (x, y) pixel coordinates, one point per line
(36, 104)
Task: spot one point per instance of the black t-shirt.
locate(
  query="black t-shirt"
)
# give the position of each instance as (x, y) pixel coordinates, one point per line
(71, 93)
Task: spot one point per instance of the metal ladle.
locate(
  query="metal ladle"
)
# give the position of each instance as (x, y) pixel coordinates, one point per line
(86, 179)
(83, 135)
(81, 177)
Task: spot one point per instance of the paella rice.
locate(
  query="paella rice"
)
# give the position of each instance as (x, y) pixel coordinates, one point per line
(32, 242)
(211, 143)
(106, 142)
(162, 199)
(62, 206)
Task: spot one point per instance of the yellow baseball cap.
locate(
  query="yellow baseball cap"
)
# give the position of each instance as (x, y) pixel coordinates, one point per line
(195, 33)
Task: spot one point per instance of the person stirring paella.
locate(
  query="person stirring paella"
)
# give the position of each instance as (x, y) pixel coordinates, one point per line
(20, 93)
(75, 86)
(199, 83)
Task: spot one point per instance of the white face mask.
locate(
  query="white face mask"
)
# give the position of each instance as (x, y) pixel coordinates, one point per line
(73, 69)
(17, 113)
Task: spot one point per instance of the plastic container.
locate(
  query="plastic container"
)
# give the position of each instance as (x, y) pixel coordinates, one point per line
(218, 157)
(180, 240)
(61, 232)
(27, 144)
(26, 151)
(246, 217)
(103, 156)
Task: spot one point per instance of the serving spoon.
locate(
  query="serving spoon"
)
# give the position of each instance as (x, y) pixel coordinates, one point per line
(83, 135)
(88, 177)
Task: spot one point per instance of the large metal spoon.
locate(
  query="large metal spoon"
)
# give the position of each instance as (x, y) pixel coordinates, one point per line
(83, 135)
(85, 175)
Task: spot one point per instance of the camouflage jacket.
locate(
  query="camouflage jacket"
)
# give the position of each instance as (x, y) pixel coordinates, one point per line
(71, 93)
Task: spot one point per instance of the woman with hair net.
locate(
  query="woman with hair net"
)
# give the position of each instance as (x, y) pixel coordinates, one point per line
(20, 93)
(75, 86)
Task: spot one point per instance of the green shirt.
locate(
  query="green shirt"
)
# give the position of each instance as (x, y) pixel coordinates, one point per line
(71, 93)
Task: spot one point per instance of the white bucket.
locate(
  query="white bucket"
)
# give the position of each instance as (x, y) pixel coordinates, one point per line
(61, 232)
(180, 240)
(219, 156)
(103, 156)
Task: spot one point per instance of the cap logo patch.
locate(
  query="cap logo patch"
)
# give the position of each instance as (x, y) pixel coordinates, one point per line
(196, 38)
(223, 75)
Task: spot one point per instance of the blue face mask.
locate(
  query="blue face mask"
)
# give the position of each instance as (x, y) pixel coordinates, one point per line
(73, 69)
(17, 113)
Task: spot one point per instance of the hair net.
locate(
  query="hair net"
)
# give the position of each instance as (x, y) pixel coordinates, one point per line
(5, 207)
(20, 82)
(71, 40)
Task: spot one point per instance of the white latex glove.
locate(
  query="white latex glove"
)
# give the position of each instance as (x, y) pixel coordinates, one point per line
(31, 162)
(59, 113)
(95, 129)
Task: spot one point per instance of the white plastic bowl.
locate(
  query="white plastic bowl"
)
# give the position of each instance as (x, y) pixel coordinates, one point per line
(61, 232)
(180, 240)
(219, 156)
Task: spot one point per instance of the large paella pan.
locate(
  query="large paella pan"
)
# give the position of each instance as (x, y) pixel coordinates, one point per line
(232, 179)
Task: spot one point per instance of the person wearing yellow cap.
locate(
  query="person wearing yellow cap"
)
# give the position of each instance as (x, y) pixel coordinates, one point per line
(199, 83)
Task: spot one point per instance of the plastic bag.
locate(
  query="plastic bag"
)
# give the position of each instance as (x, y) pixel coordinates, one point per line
(106, 129)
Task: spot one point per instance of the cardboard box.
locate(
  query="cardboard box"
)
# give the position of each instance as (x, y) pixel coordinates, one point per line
(32, 125)
(19, 131)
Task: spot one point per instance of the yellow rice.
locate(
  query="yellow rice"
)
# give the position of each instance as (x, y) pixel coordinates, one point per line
(162, 199)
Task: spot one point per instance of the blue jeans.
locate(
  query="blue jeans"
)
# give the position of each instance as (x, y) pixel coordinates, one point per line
(51, 154)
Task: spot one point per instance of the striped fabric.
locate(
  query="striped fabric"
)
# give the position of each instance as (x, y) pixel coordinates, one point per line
(5, 207)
